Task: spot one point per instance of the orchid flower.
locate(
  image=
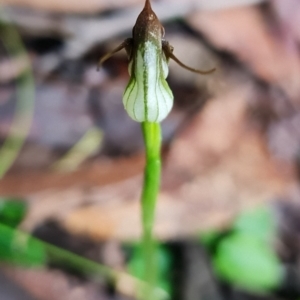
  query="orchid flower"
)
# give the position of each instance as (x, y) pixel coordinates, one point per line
(148, 97)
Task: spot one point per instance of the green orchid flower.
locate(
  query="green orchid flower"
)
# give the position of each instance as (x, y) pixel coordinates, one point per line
(148, 97)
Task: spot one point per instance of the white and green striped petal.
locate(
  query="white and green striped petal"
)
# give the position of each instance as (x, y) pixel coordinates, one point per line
(147, 96)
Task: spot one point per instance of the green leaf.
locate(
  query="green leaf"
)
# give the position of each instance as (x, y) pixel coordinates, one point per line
(136, 266)
(209, 237)
(12, 211)
(258, 222)
(20, 249)
(247, 262)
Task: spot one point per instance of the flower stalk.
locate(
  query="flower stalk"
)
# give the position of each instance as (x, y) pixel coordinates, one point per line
(152, 139)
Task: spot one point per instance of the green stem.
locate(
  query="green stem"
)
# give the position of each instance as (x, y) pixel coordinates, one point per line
(152, 139)
(25, 94)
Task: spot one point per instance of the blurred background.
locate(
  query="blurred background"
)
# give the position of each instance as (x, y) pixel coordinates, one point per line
(71, 160)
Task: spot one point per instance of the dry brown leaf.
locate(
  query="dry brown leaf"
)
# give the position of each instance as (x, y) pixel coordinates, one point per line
(244, 33)
(49, 285)
(99, 173)
(71, 6)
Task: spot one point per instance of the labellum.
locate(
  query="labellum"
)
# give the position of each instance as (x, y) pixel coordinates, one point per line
(147, 97)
